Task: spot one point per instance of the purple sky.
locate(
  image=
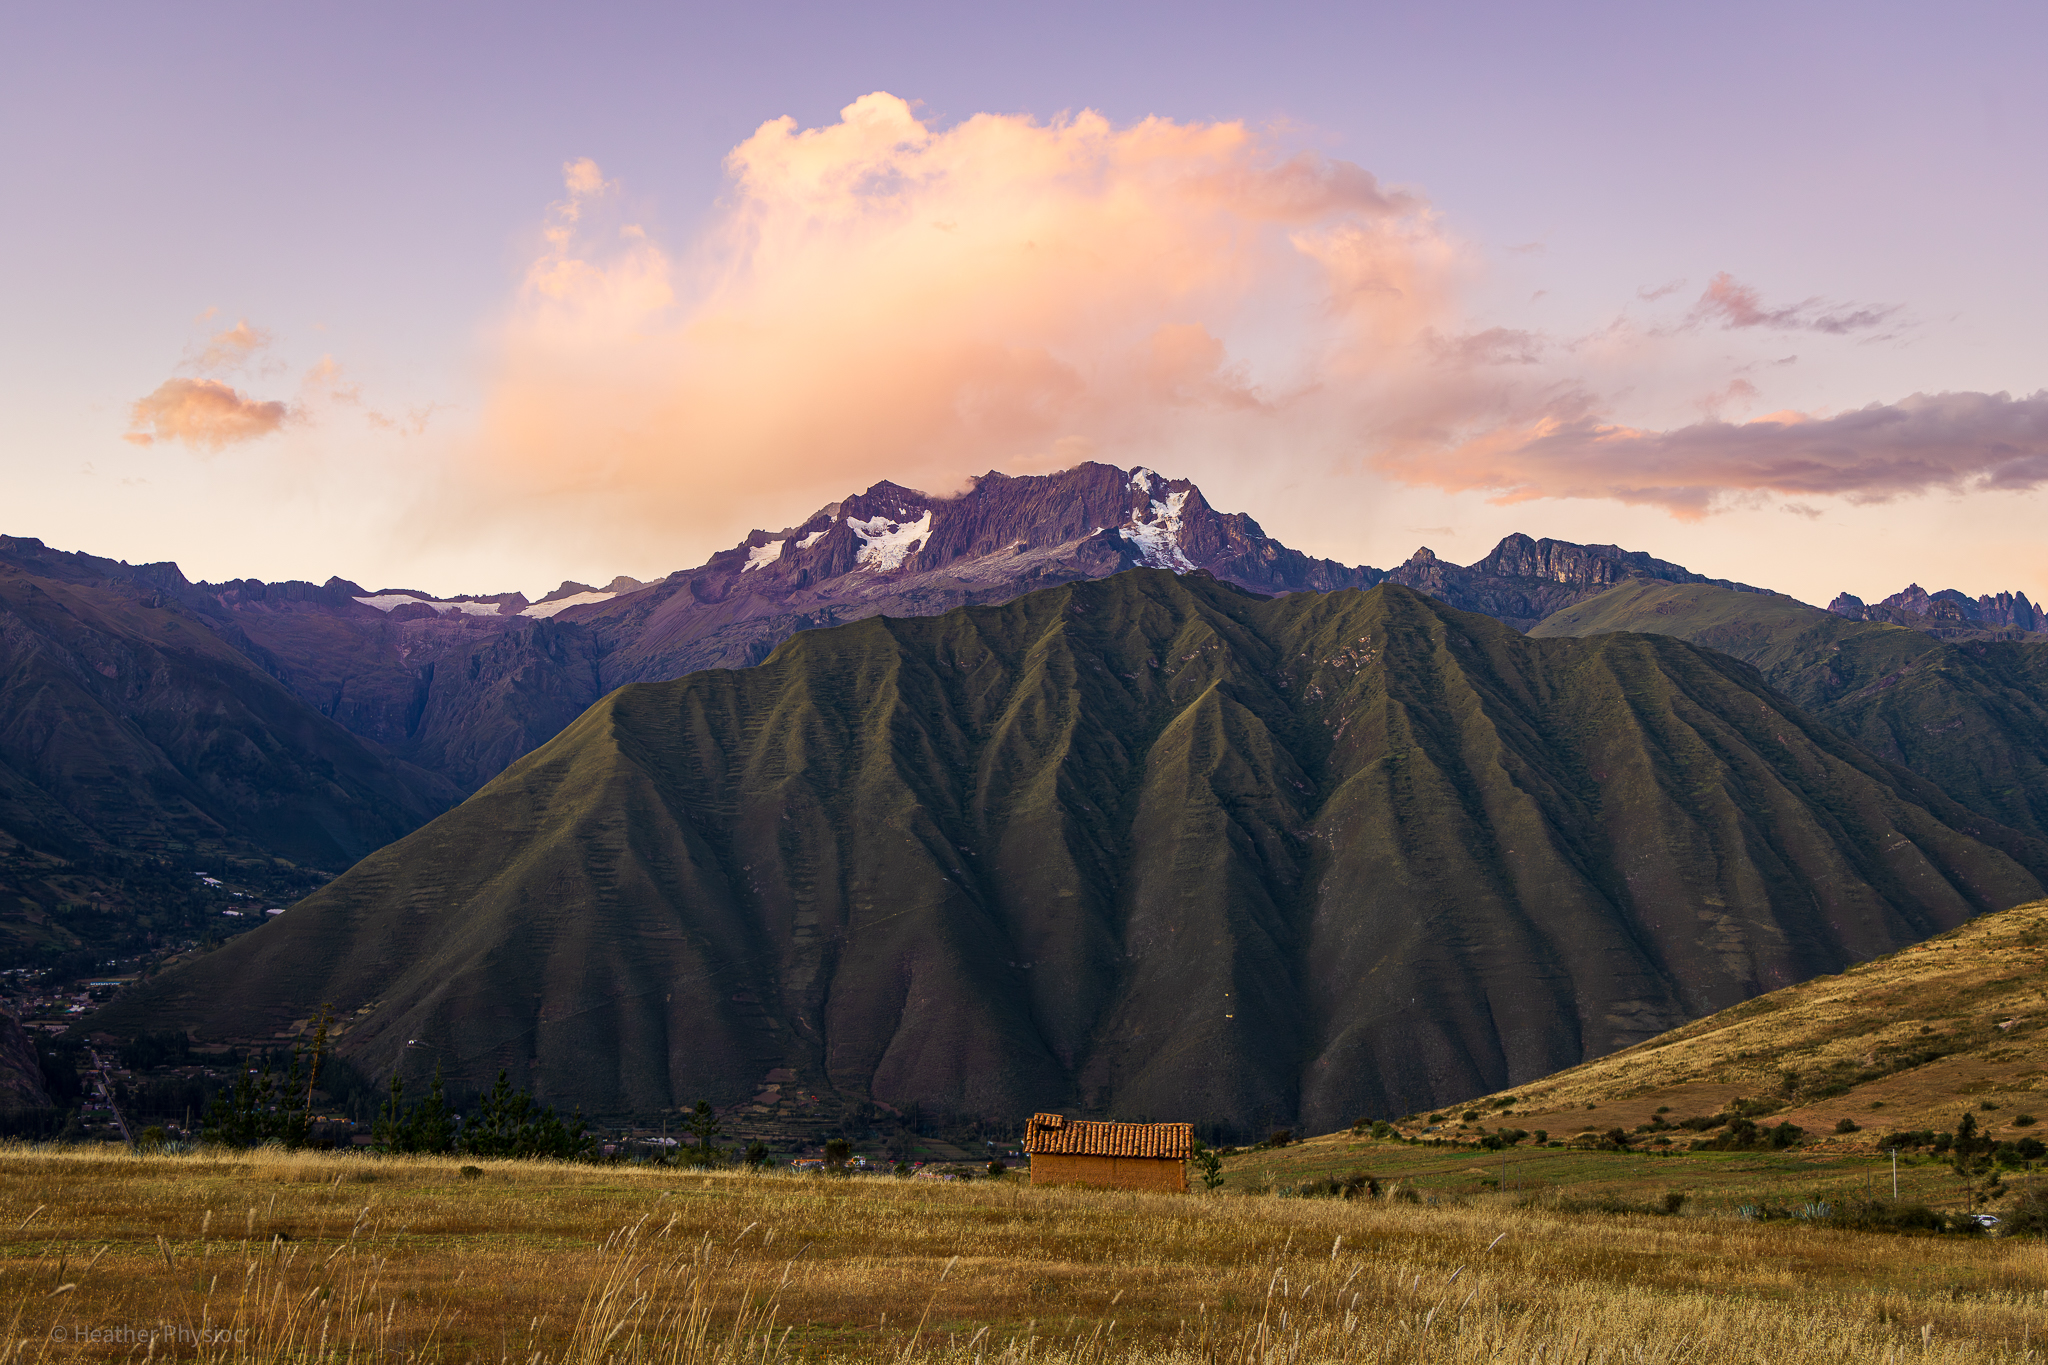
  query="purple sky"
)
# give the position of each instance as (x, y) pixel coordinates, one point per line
(369, 185)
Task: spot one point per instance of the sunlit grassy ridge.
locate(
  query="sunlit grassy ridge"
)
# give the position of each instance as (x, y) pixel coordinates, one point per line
(354, 1259)
(1908, 1041)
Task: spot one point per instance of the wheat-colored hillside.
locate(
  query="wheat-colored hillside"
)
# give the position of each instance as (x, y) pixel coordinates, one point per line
(1906, 1041)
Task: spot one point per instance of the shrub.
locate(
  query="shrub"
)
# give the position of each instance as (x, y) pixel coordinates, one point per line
(1752, 1109)
(2027, 1217)
(838, 1151)
(1848, 1126)
(1469, 1115)
(1883, 1215)
(1666, 1207)
(2023, 1120)
(757, 1155)
(1280, 1137)
(1743, 1135)
(1382, 1129)
(1210, 1163)
(1357, 1185)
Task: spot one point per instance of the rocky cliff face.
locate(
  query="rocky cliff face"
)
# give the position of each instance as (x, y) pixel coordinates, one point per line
(1525, 580)
(1948, 613)
(892, 551)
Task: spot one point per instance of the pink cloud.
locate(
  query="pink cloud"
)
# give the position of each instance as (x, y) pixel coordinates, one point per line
(879, 296)
(1494, 346)
(1927, 442)
(203, 413)
(1732, 304)
(883, 297)
(228, 349)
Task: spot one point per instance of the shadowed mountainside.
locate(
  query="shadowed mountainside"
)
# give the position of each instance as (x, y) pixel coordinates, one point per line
(128, 723)
(1143, 846)
(1970, 714)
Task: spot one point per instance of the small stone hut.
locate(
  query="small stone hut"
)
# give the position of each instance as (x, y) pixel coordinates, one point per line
(1117, 1156)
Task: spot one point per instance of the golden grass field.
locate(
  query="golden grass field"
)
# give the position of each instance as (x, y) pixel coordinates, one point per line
(283, 1257)
(1980, 990)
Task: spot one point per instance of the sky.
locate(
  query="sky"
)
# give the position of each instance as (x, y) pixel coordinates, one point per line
(481, 298)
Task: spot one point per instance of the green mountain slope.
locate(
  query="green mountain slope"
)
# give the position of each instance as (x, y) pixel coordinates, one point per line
(1970, 715)
(1145, 845)
(128, 725)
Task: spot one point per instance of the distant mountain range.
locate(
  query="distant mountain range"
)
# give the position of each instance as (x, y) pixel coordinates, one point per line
(1555, 846)
(459, 687)
(1144, 845)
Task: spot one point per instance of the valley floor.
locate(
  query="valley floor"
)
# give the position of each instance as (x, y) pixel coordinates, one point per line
(285, 1257)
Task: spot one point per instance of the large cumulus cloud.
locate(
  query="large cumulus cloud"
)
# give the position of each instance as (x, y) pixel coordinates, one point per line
(878, 297)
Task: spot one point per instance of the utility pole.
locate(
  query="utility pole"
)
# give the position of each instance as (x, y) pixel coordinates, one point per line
(1895, 1173)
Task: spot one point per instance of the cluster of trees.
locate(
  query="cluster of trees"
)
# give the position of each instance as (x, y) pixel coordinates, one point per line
(507, 1123)
(1745, 1135)
(1970, 1149)
(703, 1125)
(258, 1109)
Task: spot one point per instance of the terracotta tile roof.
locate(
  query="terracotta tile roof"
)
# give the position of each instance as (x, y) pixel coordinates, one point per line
(1057, 1135)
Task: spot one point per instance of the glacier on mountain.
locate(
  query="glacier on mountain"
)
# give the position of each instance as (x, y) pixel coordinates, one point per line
(885, 543)
(1158, 540)
(543, 610)
(758, 555)
(389, 601)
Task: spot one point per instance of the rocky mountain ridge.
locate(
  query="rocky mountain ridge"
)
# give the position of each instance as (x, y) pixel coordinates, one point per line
(1948, 613)
(461, 686)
